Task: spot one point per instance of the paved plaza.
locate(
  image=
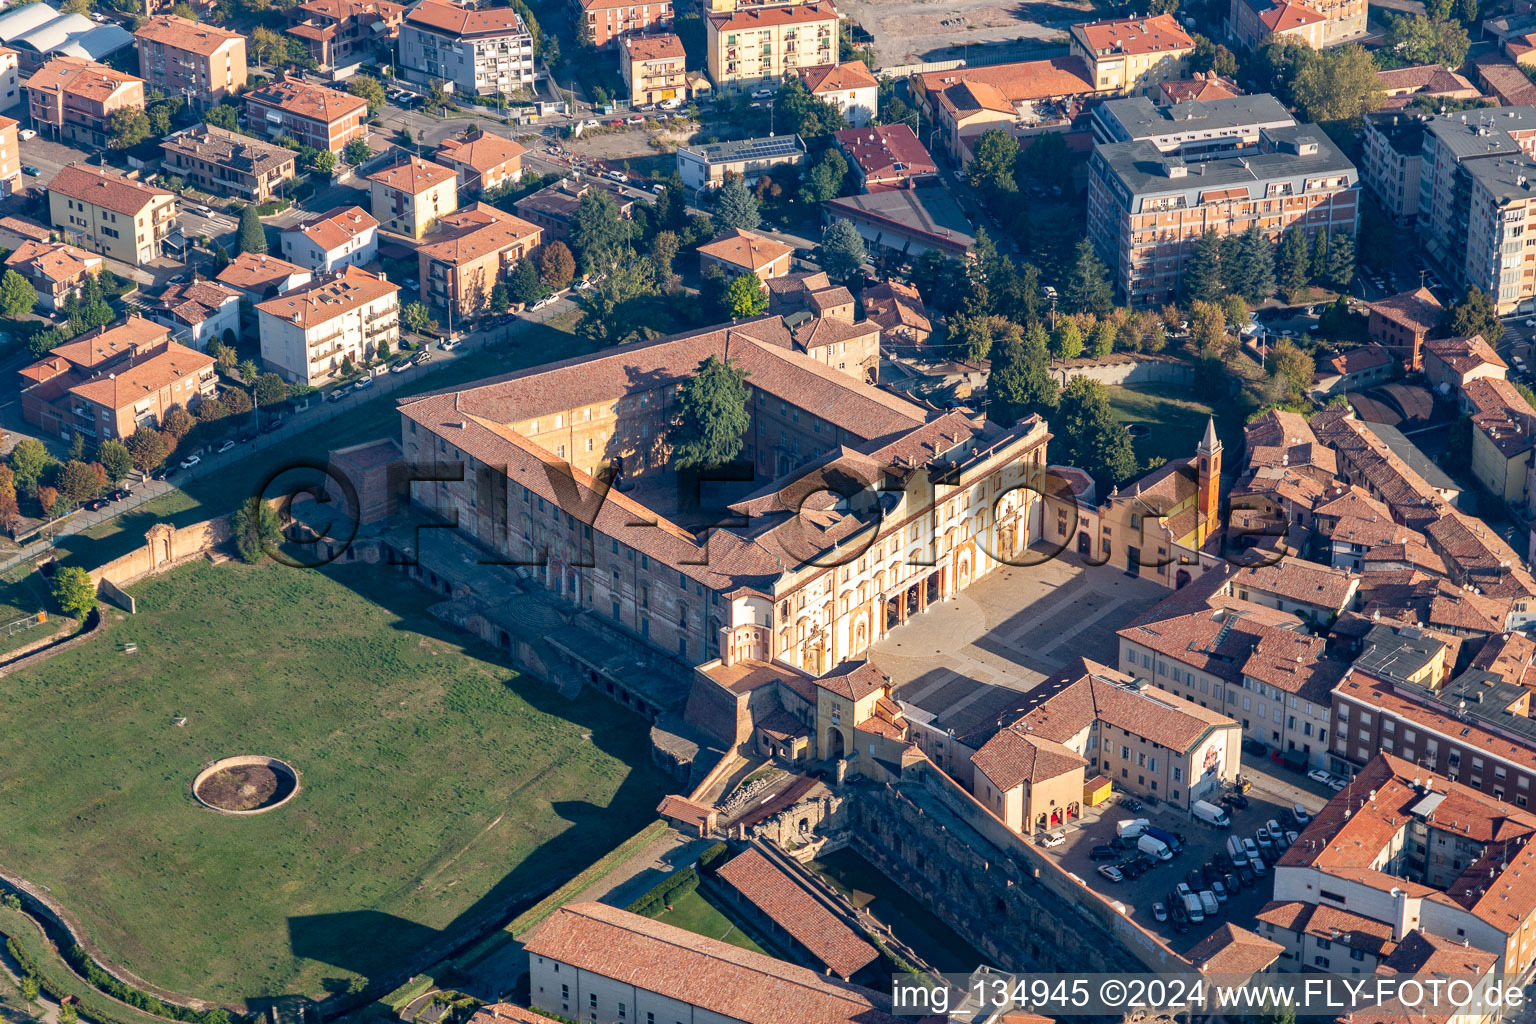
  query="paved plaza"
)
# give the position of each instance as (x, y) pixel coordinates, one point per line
(968, 657)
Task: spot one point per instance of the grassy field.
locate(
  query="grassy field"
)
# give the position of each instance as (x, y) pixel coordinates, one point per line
(695, 912)
(438, 785)
(1175, 416)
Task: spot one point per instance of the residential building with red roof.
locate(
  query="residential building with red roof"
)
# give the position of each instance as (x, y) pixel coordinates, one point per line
(71, 99)
(1406, 849)
(610, 21)
(1201, 86)
(56, 269)
(1400, 323)
(468, 252)
(1503, 436)
(1453, 363)
(484, 160)
(346, 236)
(899, 312)
(109, 213)
(1354, 369)
(885, 156)
(308, 334)
(588, 958)
(753, 47)
(408, 197)
(112, 380)
(850, 87)
(654, 67)
(1132, 55)
(508, 1013)
(229, 163)
(1319, 24)
(788, 909)
(669, 578)
(746, 252)
(199, 62)
(342, 32)
(259, 276)
(491, 49)
(198, 312)
(1233, 950)
(1018, 98)
(1429, 80)
(313, 114)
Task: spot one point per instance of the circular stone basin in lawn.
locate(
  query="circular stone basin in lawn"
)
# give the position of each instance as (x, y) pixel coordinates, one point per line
(1138, 429)
(247, 784)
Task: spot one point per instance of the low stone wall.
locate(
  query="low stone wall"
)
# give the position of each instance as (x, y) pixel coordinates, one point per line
(93, 625)
(165, 547)
(1126, 368)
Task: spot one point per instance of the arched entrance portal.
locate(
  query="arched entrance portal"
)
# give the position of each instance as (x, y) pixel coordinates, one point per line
(1180, 578)
(835, 749)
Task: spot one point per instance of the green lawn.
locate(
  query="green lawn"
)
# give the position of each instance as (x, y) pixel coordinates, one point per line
(696, 913)
(438, 785)
(1175, 416)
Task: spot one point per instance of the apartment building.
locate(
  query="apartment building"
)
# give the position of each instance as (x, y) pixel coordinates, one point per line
(1148, 209)
(110, 381)
(71, 99)
(259, 276)
(228, 163)
(309, 333)
(700, 595)
(554, 207)
(1319, 24)
(885, 156)
(312, 114)
(758, 47)
(1503, 437)
(1257, 669)
(850, 87)
(1133, 55)
(1021, 99)
(484, 161)
(200, 63)
(10, 78)
(111, 214)
(738, 252)
(346, 236)
(56, 269)
(1391, 161)
(409, 196)
(611, 21)
(705, 166)
(467, 253)
(1450, 364)
(198, 312)
(480, 52)
(10, 156)
(343, 32)
(654, 68)
(1194, 130)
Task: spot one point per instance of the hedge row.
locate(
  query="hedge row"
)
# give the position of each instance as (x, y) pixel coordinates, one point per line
(58, 983)
(81, 961)
(709, 856)
(677, 884)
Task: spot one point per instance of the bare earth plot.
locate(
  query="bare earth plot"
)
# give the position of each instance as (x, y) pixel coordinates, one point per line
(439, 788)
(914, 30)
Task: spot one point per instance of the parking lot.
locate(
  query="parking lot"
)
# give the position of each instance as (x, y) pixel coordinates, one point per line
(1201, 843)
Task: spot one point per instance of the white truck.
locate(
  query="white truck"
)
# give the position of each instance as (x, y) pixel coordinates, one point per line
(1154, 848)
(1205, 811)
(1130, 828)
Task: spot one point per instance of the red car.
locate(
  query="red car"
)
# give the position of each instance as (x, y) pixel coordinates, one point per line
(616, 123)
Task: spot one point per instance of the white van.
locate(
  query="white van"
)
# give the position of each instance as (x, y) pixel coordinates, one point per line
(1194, 908)
(1154, 848)
(1236, 852)
(1209, 813)
(1130, 828)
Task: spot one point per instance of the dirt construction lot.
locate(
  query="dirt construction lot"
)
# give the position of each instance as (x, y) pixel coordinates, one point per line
(908, 30)
(1201, 843)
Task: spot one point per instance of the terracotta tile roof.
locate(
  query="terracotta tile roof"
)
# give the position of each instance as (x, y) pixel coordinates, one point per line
(305, 99)
(1478, 556)
(715, 976)
(882, 151)
(1285, 16)
(1359, 360)
(1134, 36)
(1304, 582)
(1231, 644)
(414, 176)
(335, 228)
(1291, 915)
(680, 808)
(76, 76)
(1366, 459)
(1013, 757)
(341, 10)
(788, 905)
(254, 272)
(1417, 310)
(854, 680)
(1509, 656)
(1233, 950)
(746, 249)
(1016, 83)
(230, 149)
(854, 74)
(1422, 953)
(893, 306)
(192, 36)
(104, 344)
(1208, 86)
(482, 152)
(1501, 414)
(660, 46)
(1464, 355)
(475, 231)
(105, 190)
(1279, 428)
(57, 261)
(195, 301)
(750, 19)
(1355, 931)
(459, 21)
(323, 301)
(1354, 503)
(121, 385)
(1428, 78)
(507, 1013)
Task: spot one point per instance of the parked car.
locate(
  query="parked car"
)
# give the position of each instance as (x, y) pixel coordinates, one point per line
(26, 133)
(190, 461)
(1318, 775)
(424, 356)
(247, 437)
(1180, 918)
(1232, 882)
(1111, 872)
(337, 395)
(1130, 804)
(120, 494)
(1052, 839)
(1219, 890)
(226, 446)
(1159, 912)
(30, 170)
(95, 504)
(1104, 853)
(1300, 815)
(1236, 800)
(635, 119)
(401, 366)
(1254, 747)
(448, 344)
(363, 382)
(271, 425)
(1134, 868)
(1246, 875)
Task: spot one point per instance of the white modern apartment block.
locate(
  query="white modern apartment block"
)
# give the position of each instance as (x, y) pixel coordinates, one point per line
(308, 334)
(480, 52)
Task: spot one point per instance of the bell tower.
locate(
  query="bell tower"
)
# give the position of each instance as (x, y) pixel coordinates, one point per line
(1208, 497)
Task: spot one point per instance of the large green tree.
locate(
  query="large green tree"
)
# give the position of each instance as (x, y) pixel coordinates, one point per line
(1087, 287)
(115, 459)
(1293, 261)
(599, 235)
(252, 236)
(796, 109)
(1338, 85)
(256, 529)
(713, 416)
(745, 297)
(148, 448)
(1090, 437)
(1421, 40)
(736, 206)
(29, 460)
(992, 162)
(1202, 277)
(1475, 314)
(127, 127)
(618, 308)
(523, 284)
(1020, 382)
(17, 296)
(825, 180)
(75, 594)
(842, 250)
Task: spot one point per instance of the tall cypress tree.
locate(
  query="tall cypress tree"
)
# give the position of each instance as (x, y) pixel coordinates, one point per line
(1202, 272)
(1341, 258)
(1258, 266)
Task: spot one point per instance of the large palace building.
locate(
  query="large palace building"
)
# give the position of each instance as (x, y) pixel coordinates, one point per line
(858, 508)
